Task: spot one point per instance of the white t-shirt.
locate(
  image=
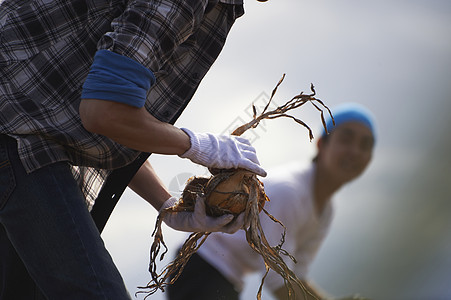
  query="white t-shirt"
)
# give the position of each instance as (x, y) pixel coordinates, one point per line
(290, 190)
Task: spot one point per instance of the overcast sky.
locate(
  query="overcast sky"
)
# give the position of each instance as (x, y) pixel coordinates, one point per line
(390, 238)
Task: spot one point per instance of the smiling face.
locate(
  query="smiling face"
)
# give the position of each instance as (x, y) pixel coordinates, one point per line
(346, 152)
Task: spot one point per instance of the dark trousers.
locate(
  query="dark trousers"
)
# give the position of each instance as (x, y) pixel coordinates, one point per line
(48, 240)
(200, 281)
(17, 284)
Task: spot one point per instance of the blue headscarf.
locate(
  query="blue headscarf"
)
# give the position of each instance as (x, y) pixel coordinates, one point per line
(350, 112)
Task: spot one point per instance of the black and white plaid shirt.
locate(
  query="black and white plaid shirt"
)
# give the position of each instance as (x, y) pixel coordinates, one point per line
(47, 47)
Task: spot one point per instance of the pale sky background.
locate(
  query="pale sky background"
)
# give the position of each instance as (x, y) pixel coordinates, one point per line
(391, 237)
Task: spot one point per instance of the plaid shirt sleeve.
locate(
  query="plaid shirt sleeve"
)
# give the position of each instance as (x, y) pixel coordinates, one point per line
(47, 47)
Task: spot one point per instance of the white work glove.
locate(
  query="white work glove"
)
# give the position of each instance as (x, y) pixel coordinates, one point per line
(222, 152)
(198, 221)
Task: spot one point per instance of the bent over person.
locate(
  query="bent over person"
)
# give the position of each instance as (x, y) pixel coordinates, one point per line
(85, 87)
(301, 198)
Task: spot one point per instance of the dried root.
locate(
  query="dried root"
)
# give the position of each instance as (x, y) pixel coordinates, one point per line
(281, 111)
(232, 192)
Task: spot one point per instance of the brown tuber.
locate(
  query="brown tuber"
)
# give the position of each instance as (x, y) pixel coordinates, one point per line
(226, 193)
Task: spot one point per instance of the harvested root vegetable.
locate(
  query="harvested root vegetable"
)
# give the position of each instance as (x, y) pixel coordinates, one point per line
(228, 192)
(232, 192)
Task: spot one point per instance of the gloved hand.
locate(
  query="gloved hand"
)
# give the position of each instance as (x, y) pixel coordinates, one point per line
(198, 221)
(222, 152)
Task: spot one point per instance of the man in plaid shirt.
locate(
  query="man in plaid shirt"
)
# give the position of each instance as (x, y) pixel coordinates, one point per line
(85, 87)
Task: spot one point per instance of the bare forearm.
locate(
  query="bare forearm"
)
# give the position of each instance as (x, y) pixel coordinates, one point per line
(132, 127)
(148, 185)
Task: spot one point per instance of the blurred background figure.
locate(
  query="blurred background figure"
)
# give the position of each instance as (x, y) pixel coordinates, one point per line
(301, 198)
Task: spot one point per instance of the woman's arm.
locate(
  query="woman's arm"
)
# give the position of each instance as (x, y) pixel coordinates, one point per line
(149, 186)
(136, 128)
(132, 127)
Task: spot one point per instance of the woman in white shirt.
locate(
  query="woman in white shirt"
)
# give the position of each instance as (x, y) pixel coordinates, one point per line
(301, 198)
